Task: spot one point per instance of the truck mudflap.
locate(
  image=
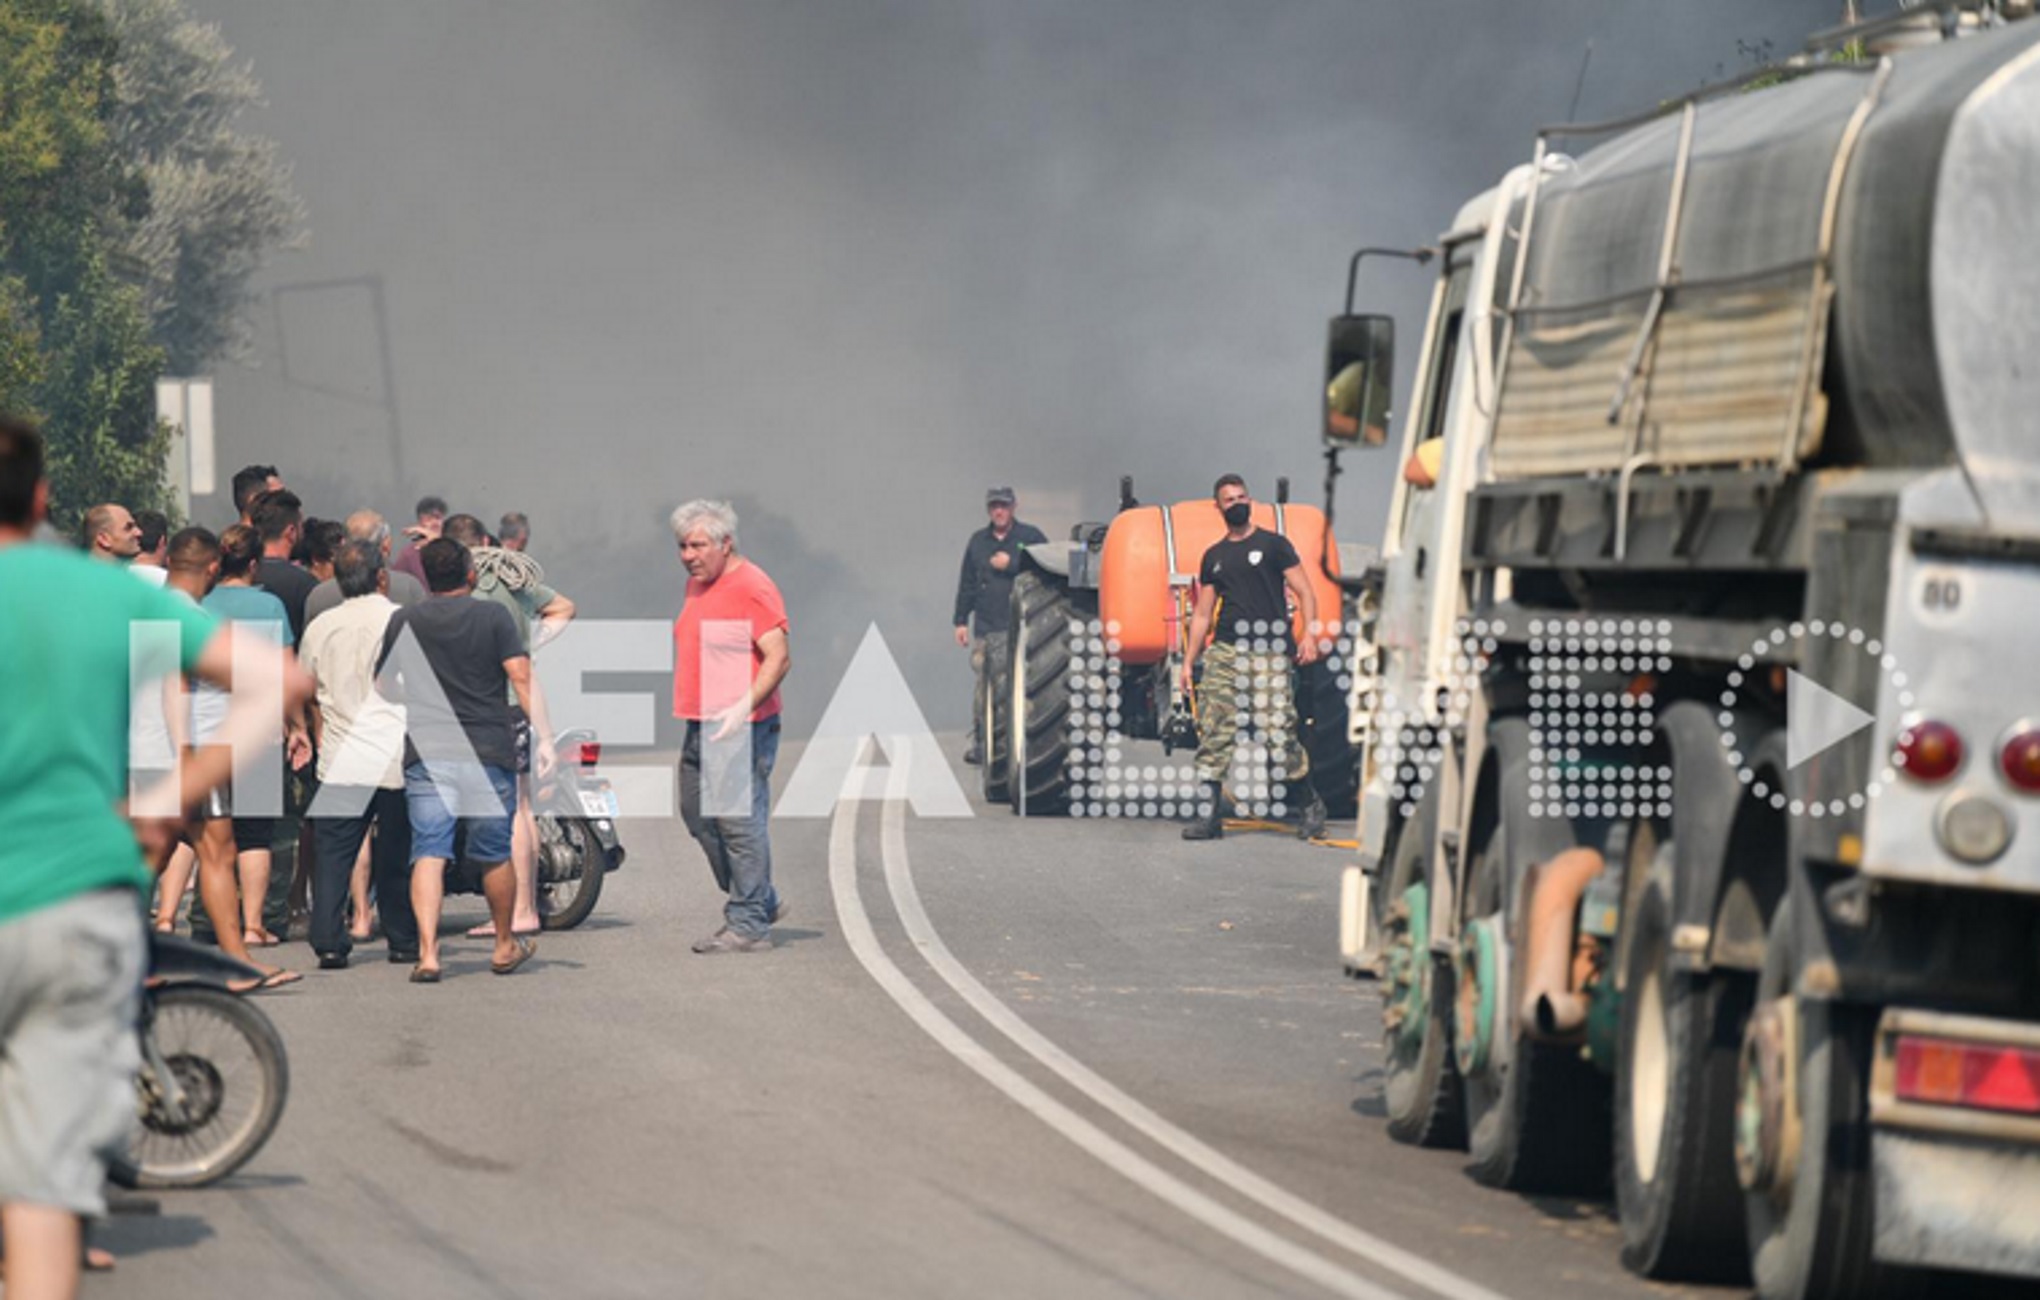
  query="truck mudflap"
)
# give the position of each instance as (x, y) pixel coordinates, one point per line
(1955, 1109)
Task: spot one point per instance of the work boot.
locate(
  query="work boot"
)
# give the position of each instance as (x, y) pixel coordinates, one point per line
(1310, 820)
(1211, 825)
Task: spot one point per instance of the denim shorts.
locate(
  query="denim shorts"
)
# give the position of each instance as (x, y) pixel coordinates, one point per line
(439, 794)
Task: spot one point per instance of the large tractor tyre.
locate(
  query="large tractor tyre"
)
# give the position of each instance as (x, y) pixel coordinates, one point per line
(1321, 713)
(1811, 1219)
(1536, 1113)
(995, 729)
(1422, 1091)
(1039, 689)
(1675, 1186)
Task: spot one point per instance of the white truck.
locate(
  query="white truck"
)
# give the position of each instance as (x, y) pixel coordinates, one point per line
(1700, 812)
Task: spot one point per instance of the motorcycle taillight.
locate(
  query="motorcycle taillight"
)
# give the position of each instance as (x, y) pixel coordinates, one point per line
(590, 753)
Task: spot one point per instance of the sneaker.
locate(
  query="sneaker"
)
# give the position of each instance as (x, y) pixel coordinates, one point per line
(332, 961)
(403, 956)
(727, 940)
(973, 756)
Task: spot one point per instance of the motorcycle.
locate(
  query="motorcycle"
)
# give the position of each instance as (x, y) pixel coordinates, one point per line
(214, 1074)
(576, 813)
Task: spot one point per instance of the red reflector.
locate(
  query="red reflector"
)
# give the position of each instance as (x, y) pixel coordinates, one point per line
(1929, 751)
(1981, 1076)
(2021, 761)
(591, 753)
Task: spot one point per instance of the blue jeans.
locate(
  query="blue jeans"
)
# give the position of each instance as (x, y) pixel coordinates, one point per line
(483, 797)
(739, 847)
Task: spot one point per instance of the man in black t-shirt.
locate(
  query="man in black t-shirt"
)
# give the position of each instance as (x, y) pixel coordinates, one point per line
(1243, 590)
(278, 518)
(460, 749)
(984, 595)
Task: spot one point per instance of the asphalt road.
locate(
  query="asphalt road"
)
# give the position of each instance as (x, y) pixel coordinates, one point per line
(988, 1057)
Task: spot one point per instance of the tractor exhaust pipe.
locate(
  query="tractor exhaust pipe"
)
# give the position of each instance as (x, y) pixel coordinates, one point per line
(1552, 1008)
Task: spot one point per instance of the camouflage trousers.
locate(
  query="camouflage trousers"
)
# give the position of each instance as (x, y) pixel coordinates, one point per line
(985, 651)
(1247, 694)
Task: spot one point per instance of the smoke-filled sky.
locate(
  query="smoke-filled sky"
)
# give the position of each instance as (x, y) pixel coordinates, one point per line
(849, 263)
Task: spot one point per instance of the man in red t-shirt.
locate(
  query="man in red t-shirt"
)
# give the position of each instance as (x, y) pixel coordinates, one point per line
(729, 656)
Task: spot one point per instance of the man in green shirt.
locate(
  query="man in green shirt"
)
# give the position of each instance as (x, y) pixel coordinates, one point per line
(72, 866)
(515, 581)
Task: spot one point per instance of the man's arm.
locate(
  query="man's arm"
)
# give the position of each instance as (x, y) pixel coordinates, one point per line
(1200, 629)
(1306, 601)
(267, 687)
(966, 592)
(777, 657)
(542, 755)
(553, 617)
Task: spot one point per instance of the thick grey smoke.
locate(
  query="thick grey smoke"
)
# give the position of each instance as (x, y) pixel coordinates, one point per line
(850, 263)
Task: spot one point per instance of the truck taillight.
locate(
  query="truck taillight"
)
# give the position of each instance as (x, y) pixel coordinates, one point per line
(1981, 1076)
(2020, 760)
(590, 753)
(1929, 752)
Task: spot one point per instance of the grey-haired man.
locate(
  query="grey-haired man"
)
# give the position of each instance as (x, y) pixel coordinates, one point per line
(730, 654)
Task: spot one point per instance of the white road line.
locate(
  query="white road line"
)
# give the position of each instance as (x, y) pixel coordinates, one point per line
(1111, 1152)
(906, 899)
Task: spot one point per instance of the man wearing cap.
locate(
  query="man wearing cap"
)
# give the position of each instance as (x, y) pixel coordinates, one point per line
(983, 594)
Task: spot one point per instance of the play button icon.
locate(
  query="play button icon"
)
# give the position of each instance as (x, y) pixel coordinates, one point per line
(1816, 719)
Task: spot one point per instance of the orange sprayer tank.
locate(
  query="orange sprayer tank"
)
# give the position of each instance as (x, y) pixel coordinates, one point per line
(1133, 586)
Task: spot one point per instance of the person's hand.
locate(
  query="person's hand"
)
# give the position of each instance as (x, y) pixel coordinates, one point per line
(156, 837)
(544, 759)
(731, 720)
(297, 745)
(1307, 650)
(1001, 561)
(1189, 676)
(963, 635)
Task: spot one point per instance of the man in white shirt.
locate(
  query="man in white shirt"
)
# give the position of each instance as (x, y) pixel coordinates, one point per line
(360, 740)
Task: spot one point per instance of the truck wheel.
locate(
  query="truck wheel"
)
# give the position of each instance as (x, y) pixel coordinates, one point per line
(1536, 1113)
(1803, 1152)
(1038, 688)
(1422, 1091)
(1675, 1186)
(994, 726)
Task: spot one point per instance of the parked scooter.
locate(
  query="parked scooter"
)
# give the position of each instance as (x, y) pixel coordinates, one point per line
(214, 1074)
(577, 842)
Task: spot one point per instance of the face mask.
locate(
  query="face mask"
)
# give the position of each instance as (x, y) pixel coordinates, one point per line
(1238, 513)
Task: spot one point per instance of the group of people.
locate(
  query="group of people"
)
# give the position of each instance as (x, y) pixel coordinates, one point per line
(184, 704)
(1247, 579)
(362, 785)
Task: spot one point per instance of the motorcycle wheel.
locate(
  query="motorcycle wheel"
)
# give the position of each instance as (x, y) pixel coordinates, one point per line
(229, 1065)
(567, 891)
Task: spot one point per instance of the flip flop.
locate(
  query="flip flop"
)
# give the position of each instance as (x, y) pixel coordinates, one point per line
(275, 979)
(420, 975)
(487, 930)
(525, 948)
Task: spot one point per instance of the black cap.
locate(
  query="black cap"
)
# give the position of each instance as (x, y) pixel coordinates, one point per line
(999, 496)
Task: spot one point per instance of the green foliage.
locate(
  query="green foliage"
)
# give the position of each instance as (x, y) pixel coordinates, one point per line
(131, 216)
(219, 200)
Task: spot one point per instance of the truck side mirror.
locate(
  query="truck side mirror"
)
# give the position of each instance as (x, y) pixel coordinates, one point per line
(1359, 363)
